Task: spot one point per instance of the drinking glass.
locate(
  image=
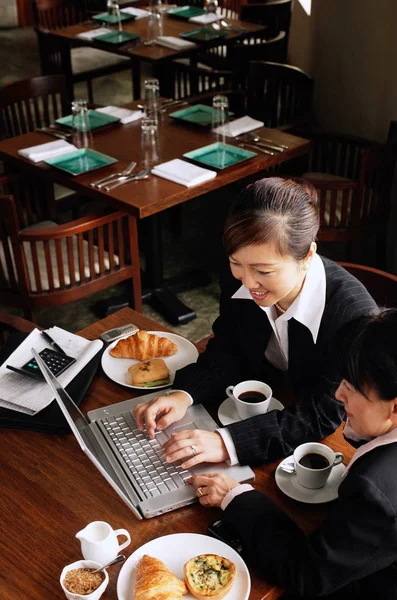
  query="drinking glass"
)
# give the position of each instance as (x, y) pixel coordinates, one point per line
(114, 10)
(211, 6)
(152, 99)
(220, 117)
(154, 26)
(81, 134)
(150, 143)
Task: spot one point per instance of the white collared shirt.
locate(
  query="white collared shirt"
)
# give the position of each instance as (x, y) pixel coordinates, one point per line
(382, 440)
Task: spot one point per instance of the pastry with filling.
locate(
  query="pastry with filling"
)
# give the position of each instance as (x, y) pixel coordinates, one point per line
(149, 373)
(143, 345)
(209, 576)
(154, 581)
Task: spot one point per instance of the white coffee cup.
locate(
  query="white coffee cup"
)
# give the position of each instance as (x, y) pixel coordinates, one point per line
(318, 461)
(249, 405)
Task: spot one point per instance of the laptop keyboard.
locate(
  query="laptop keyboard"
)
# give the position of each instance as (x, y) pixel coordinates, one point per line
(145, 458)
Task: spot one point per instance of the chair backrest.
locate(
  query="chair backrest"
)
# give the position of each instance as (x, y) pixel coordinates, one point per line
(241, 53)
(278, 94)
(276, 14)
(187, 81)
(53, 14)
(381, 285)
(31, 103)
(53, 264)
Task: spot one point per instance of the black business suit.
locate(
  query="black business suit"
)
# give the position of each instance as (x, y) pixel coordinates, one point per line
(354, 554)
(237, 352)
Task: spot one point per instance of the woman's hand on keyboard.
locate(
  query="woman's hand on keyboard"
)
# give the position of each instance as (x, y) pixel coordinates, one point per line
(194, 446)
(172, 408)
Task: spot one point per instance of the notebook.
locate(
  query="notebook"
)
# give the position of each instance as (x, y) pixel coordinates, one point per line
(130, 462)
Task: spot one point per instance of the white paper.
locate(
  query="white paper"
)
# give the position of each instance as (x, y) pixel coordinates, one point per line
(26, 395)
(48, 150)
(173, 42)
(182, 172)
(205, 19)
(124, 114)
(93, 33)
(239, 126)
(138, 12)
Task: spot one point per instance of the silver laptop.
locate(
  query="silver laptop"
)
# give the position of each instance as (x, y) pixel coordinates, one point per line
(131, 463)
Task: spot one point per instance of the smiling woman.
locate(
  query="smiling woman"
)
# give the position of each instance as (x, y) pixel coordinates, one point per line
(281, 308)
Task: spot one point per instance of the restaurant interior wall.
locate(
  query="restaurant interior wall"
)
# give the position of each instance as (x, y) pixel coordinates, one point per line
(349, 49)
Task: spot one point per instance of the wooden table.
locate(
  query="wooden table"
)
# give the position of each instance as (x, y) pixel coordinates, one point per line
(50, 491)
(157, 55)
(149, 197)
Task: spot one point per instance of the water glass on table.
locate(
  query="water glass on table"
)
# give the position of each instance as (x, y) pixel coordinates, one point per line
(150, 143)
(211, 6)
(151, 106)
(154, 26)
(114, 11)
(81, 134)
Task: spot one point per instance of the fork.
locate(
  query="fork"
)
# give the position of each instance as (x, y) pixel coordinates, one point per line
(144, 174)
(102, 182)
(255, 147)
(257, 138)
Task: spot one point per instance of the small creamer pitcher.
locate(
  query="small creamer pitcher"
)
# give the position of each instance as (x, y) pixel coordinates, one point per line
(99, 541)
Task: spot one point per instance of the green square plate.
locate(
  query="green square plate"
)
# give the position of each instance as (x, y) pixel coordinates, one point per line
(97, 119)
(198, 114)
(112, 19)
(203, 34)
(185, 12)
(117, 37)
(219, 155)
(81, 161)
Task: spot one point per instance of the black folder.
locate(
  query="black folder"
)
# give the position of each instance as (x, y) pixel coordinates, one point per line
(50, 419)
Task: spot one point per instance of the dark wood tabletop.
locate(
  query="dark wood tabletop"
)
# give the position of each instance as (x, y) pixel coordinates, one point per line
(50, 491)
(155, 53)
(155, 194)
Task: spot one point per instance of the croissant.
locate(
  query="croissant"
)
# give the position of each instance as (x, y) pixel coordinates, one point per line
(143, 345)
(154, 581)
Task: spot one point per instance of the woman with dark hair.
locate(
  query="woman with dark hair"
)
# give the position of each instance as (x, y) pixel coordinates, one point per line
(280, 309)
(354, 554)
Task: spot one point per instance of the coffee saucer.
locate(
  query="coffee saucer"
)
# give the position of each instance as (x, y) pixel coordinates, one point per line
(288, 483)
(227, 413)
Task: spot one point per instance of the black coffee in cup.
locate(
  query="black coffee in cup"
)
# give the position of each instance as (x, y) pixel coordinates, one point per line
(252, 396)
(312, 460)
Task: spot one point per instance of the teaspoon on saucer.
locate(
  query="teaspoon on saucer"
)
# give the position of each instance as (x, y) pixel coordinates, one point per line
(288, 467)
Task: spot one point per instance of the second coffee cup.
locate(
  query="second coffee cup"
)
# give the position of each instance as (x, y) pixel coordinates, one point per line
(250, 397)
(314, 463)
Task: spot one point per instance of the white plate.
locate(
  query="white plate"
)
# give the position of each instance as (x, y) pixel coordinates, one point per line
(288, 483)
(117, 368)
(175, 550)
(227, 413)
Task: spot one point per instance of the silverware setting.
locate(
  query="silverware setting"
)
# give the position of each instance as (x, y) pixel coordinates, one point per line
(144, 174)
(166, 104)
(100, 183)
(268, 142)
(57, 133)
(120, 558)
(256, 147)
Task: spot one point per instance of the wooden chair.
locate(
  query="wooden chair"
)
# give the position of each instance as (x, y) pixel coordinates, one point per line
(50, 265)
(275, 14)
(381, 285)
(83, 63)
(353, 178)
(11, 324)
(180, 80)
(26, 105)
(279, 95)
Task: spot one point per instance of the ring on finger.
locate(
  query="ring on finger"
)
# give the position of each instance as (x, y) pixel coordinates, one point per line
(200, 491)
(194, 449)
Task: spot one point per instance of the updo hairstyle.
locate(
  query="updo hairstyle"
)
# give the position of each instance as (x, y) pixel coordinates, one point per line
(274, 210)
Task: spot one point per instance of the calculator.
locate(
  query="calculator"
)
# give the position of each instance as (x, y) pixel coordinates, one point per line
(55, 361)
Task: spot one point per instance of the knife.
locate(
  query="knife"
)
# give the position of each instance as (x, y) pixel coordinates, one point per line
(258, 148)
(57, 134)
(122, 180)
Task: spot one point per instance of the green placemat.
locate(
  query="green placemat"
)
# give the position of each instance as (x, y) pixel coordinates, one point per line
(97, 119)
(185, 12)
(117, 37)
(198, 114)
(203, 34)
(81, 161)
(112, 19)
(219, 155)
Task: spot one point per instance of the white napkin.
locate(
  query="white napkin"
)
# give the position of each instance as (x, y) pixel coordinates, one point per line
(182, 172)
(205, 18)
(93, 33)
(239, 126)
(49, 150)
(125, 115)
(173, 42)
(138, 12)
